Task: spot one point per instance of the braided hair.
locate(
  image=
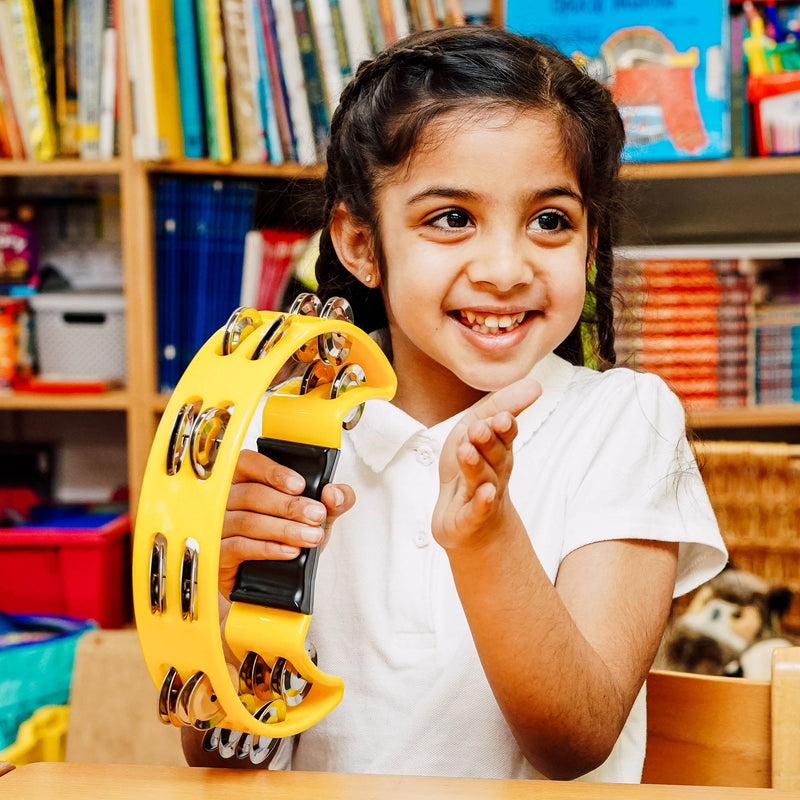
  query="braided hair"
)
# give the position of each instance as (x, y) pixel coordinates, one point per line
(385, 108)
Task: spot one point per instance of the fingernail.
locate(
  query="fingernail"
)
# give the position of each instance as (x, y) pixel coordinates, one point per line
(312, 536)
(315, 513)
(294, 483)
(338, 496)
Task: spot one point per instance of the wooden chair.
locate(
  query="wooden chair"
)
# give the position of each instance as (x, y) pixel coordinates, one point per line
(712, 731)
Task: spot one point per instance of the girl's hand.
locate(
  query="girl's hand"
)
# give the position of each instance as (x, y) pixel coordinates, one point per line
(266, 518)
(475, 466)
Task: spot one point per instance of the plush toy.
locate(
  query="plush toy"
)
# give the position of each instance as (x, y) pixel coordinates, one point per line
(730, 627)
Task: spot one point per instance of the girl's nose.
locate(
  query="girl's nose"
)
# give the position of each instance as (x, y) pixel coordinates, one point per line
(502, 263)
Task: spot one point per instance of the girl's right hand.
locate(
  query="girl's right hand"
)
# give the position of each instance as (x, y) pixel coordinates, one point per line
(266, 518)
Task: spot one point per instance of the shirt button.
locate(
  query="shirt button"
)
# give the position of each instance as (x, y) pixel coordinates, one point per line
(420, 539)
(424, 455)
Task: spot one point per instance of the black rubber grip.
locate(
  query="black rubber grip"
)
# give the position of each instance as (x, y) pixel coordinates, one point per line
(288, 585)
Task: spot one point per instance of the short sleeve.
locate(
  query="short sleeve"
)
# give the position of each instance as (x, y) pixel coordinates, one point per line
(640, 479)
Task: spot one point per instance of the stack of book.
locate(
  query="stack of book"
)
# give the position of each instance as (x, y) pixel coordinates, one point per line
(58, 78)
(777, 336)
(689, 322)
(255, 80)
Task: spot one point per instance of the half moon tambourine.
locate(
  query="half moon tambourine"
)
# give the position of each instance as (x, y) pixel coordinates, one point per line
(278, 690)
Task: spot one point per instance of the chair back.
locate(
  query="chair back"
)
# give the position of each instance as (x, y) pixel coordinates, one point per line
(713, 731)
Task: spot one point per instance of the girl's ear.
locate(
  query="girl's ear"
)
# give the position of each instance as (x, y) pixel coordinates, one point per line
(353, 244)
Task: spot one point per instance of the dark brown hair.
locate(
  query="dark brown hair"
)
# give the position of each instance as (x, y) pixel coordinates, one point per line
(385, 108)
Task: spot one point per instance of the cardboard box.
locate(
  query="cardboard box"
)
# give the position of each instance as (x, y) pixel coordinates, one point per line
(666, 65)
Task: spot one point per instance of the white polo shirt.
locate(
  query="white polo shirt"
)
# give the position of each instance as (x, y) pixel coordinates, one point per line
(598, 456)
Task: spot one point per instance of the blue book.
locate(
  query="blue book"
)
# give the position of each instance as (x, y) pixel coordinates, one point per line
(168, 301)
(190, 88)
(665, 63)
(266, 99)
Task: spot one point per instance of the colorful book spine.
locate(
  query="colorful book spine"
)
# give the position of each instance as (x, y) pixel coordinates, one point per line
(189, 81)
(65, 40)
(262, 83)
(14, 147)
(321, 24)
(312, 73)
(108, 82)
(90, 39)
(169, 136)
(355, 32)
(299, 110)
(37, 107)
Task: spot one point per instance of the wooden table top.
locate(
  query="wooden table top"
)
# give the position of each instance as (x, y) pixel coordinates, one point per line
(67, 781)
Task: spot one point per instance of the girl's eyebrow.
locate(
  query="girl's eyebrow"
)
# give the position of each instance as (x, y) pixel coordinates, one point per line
(466, 194)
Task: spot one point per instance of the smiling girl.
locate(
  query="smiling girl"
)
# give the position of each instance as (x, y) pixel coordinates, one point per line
(512, 528)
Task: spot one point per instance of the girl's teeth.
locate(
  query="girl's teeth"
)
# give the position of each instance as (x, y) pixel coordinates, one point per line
(492, 323)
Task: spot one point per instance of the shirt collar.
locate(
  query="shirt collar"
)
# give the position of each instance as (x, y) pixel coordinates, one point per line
(384, 429)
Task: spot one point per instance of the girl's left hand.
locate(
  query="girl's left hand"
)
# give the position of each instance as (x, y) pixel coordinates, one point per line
(475, 466)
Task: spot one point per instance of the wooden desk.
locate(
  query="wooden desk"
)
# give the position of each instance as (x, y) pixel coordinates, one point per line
(67, 781)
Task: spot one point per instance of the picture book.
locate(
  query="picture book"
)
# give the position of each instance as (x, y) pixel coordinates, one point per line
(665, 63)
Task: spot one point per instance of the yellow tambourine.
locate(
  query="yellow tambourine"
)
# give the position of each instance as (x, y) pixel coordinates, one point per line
(278, 690)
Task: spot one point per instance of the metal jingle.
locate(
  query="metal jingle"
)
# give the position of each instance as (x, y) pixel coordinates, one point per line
(206, 437)
(347, 377)
(197, 703)
(262, 676)
(270, 337)
(288, 685)
(246, 673)
(211, 739)
(334, 346)
(307, 304)
(261, 749)
(168, 698)
(188, 579)
(228, 742)
(158, 574)
(239, 326)
(179, 437)
(316, 374)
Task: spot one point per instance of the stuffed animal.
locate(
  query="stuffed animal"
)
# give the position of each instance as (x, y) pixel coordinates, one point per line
(730, 627)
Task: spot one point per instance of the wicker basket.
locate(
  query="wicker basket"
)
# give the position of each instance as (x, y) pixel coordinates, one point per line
(755, 491)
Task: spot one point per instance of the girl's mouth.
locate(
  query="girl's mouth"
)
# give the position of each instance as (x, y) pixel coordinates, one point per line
(493, 324)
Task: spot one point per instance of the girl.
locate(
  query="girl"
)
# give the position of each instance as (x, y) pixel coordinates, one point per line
(495, 595)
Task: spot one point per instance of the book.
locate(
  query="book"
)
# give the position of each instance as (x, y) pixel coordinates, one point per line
(664, 63)
(66, 78)
(330, 66)
(108, 82)
(215, 82)
(90, 22)
(189, 81)
(304, 144)
(169, 136)
(355, 32)
(265, 117)
(35, 106)
(249, 132)
(269, 258)
(13, 145)
(278, 85)
(312, 74)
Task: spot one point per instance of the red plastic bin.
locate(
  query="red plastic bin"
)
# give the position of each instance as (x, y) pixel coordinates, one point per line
(78, 568)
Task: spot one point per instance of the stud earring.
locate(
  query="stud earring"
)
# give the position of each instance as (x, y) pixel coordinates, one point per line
(368, 278)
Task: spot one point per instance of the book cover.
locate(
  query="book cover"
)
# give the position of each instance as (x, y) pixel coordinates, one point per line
(330, 66)
(13, 67)
(90, 64)
(66, 75)
(189, 80)
(37, 107)
(169, 134)
(340, 40)
(666, 65)
(293, 73)
(260, 84)
(249, 132)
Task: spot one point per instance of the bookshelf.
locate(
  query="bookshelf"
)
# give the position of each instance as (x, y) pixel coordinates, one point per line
(733, 185)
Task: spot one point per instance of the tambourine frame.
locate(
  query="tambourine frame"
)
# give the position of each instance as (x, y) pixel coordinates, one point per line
(182, 507)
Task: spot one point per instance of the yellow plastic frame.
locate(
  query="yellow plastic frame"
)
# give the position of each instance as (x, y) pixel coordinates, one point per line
(184, 506)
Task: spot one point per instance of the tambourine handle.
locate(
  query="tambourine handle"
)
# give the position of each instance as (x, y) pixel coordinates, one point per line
(288, 585)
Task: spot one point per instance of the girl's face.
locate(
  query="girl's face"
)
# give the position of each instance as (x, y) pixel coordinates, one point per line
(484, 236)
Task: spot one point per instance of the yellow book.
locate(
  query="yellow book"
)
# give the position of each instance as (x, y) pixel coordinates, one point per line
(66, 79)
(219, 81)
(165, 69)
(37, 107)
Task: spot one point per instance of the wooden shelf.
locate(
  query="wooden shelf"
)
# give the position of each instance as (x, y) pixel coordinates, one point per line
(117, 400)
(746, 417)
(721, 168)
(206, 167)
(62, 167)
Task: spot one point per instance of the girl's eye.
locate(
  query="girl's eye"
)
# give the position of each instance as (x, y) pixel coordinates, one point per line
(453, 219)
(551, 221)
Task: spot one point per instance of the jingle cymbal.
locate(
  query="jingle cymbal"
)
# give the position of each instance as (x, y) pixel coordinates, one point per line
(197, 704)
(179, 438)
(241, 323)
(334, 347)
(307, 304)
(261, 748)
(205, 439)
(168, 697)
(271, 336)
(158, 574)
(347, 377)
(188, 579)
